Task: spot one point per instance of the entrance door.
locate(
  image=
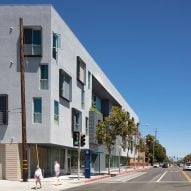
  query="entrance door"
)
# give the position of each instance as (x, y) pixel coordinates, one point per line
(69, 165)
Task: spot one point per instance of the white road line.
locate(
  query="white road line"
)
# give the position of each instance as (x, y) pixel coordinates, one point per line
(123, 178)
(161, 176)
(134, 176)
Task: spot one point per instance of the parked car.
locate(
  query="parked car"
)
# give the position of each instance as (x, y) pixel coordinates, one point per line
(187, 166)
(156, 165)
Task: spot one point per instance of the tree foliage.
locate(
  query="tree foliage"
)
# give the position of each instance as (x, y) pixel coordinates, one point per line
(187, 158)
(108, 130)
(159, 150)
(127, 132)
(118, 123)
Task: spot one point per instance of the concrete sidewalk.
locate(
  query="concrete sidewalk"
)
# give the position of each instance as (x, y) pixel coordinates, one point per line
(68, 181)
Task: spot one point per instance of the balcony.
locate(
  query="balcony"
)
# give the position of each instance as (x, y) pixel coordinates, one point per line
(32, 50)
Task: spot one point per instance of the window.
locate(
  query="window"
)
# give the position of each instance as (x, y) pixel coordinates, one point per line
(3, 109)
(82, 99)
(56, 112)
(96, 101)
(87, 124)
(32, 42)
(76, 120)
(81, 70)
(65, 89)
(55, 45)
(89, 80)
(44, 77)
(37, 110)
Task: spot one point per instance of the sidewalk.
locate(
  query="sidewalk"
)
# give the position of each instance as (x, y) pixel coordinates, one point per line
(68, 181)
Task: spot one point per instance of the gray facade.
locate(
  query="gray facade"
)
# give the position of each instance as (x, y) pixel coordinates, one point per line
(50, 121)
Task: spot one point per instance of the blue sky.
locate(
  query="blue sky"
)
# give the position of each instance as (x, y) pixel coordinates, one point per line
(144, 47)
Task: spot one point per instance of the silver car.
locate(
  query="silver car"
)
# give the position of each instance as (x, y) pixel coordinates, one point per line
(187, 166)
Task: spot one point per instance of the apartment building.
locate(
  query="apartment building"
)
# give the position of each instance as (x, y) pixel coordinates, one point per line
(62, 83)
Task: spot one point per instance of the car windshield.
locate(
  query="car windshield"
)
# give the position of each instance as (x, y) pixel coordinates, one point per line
(188, 164)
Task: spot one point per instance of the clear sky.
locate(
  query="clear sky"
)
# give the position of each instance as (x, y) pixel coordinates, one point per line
(144, 47)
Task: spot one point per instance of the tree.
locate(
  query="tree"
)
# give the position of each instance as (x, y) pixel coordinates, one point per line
(110, 128)
(129, 130)
(187, 158)
(149, 153)
(143, 148)
(159, 150)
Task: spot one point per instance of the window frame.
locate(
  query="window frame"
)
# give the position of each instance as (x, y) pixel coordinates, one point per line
(76, 115)
(44, 81)
(37, 113)
(5, 113)
(62, 78)
(87, 125)
(56, 114)
(56, 39)
(81, 66)
(89, 79)
(33, 45)
(82, 99)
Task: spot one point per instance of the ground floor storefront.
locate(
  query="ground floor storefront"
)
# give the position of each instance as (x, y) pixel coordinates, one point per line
(46, 155)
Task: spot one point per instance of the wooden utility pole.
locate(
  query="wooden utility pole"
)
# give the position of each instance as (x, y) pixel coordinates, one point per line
(23, 108)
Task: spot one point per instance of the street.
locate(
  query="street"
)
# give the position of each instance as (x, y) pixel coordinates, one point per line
(157, 179)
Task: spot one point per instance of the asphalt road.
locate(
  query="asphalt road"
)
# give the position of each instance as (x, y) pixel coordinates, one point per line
(154, 179)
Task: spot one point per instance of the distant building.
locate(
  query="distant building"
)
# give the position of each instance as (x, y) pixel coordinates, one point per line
(62, 82)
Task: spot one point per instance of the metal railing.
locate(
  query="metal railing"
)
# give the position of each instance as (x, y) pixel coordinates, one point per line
(32, 50)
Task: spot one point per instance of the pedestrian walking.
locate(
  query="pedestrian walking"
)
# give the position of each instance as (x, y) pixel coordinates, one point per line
(38, 176)
(57, 170)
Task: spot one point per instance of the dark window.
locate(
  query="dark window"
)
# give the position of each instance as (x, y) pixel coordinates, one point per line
(65, 89)
(87, 125)
(56, 112)
(76, 120)
(81, 70)
(3, 109)
(55, 45)
(82, 99)
(27, 36)
(44, 77)
(32, 42)
(89, 80)
(37, 110)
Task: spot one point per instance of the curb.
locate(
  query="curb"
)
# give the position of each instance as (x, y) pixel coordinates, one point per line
(112, 175)
(98, 178)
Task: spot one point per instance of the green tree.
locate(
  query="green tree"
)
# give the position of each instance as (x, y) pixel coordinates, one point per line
(187, 158)
(108, 130)
(128, 132)
(159, 150)
(142, 146)
(149, 153)
(160, 153)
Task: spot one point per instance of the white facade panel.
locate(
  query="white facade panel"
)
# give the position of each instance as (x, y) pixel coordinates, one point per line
(48, 131)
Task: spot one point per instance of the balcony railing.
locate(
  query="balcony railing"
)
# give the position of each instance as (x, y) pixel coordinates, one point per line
(3, 117)
(37, 118)
(43, 84)
(32, 50)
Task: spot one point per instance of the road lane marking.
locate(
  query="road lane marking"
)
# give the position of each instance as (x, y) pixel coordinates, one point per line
(155, 178)
(187, 177)
(123, 179)
(161, 176)
(135, 176)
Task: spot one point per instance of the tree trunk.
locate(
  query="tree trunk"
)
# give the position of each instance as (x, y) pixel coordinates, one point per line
(109, 164)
